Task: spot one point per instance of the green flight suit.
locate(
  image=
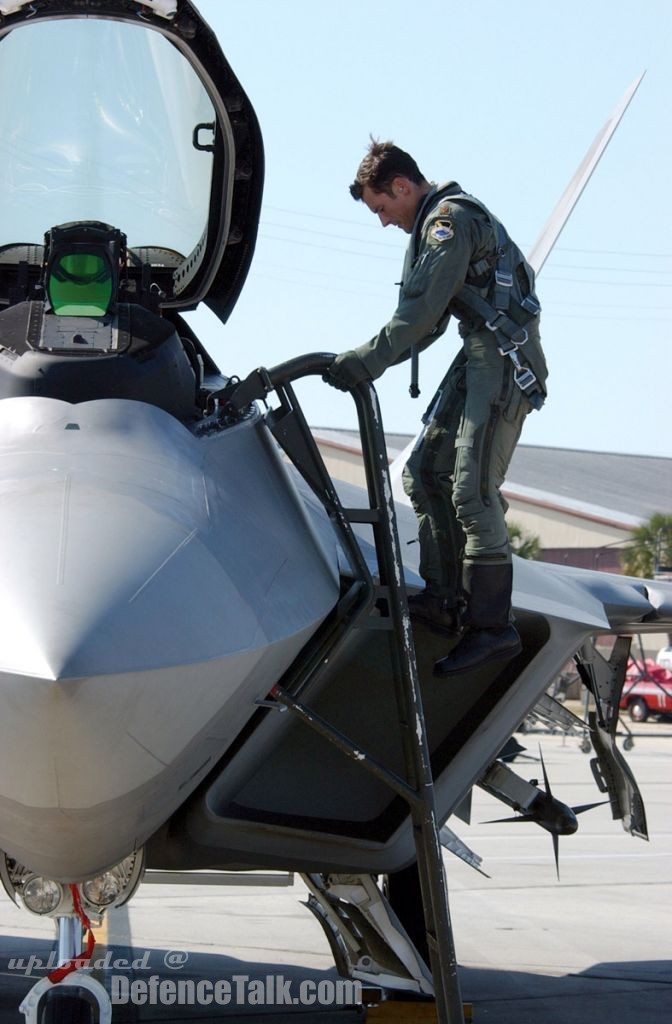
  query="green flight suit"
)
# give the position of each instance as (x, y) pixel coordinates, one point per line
(455, 473)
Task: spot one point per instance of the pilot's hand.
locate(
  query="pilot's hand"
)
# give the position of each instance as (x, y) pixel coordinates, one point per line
(346, 371)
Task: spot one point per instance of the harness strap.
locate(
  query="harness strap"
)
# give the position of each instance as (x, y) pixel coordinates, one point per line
(502, 285)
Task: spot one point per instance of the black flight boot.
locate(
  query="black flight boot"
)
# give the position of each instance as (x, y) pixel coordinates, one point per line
(491, 636)
(436, 613)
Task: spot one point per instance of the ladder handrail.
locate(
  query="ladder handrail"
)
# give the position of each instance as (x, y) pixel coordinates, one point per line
(290, 429)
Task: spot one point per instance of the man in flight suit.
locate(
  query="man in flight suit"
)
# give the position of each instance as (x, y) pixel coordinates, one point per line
(459, 262)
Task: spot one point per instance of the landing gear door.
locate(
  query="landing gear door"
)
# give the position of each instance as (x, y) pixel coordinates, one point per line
(605, 677)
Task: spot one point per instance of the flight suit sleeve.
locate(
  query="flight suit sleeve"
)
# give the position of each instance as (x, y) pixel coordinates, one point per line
(438, 273)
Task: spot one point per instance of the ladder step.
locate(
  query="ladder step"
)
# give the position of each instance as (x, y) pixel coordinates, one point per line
(362, 515)
(410, 1011)
(375, 622)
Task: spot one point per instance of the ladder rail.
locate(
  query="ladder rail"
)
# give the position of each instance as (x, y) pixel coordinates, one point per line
(291, 430)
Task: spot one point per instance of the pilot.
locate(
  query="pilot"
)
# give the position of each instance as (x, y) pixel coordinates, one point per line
(461, 262)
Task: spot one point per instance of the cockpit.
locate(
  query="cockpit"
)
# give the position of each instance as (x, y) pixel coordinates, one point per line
(130, 190)
(87, 329)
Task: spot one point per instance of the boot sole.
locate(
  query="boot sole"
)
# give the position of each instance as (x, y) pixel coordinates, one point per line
(506, 655)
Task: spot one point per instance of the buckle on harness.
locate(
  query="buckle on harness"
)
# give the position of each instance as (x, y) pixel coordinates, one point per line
(496, 324)
(531, 305)
(524, 378)
(515, 340)
(504, 278)
(510, 345)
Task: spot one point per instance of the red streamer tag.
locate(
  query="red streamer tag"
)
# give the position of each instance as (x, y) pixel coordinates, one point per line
(79, 961)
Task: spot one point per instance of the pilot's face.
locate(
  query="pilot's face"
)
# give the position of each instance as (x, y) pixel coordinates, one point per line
(399, 208)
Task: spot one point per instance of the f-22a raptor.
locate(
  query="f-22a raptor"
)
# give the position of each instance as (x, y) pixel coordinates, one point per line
(206, 659)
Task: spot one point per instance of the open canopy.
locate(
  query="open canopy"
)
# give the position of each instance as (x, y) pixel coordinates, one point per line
(128, 114)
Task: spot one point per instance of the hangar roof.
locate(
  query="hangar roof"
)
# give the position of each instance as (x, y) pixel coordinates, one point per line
(629, 488)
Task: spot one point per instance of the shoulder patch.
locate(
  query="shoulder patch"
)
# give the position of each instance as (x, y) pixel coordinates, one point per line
(445, 207)
(442, 231)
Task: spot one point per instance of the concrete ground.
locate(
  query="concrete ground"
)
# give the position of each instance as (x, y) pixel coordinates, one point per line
(594, 947)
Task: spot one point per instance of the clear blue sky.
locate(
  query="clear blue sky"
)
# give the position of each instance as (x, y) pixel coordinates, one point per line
(505, 98)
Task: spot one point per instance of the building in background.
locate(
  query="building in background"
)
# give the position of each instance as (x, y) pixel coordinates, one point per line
(581, 505)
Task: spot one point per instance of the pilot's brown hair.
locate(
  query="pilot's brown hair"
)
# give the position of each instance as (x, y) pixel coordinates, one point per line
(382, 164)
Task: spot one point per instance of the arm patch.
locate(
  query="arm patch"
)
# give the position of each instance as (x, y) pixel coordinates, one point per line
(442, 231)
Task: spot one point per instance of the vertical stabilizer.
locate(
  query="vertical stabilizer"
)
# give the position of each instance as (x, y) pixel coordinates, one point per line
(554, 225)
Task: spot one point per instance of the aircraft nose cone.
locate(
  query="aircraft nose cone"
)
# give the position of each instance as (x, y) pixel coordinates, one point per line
(97, 582)
(143, 611)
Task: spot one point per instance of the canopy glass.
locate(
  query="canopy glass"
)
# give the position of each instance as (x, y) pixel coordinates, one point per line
(102, 125)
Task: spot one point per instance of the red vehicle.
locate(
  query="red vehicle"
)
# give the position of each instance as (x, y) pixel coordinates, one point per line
(647, 691)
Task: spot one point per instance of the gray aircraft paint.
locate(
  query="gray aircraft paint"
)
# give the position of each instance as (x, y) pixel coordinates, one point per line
(158, 580)
(154, 585)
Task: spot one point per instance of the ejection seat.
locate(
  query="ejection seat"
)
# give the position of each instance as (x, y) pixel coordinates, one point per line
(77, 332)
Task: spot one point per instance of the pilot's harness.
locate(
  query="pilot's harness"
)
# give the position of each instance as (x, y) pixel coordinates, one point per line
(489, 296)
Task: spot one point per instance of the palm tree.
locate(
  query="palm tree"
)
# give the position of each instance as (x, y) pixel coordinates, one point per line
(523, 544)
(650, 547)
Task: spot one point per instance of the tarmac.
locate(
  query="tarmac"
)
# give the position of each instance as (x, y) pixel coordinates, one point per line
(593, 947)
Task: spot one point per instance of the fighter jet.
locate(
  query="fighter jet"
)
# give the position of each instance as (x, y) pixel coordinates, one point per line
(206, 659)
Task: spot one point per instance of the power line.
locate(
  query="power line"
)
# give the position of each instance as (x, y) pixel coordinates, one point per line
(610, 305)
(620, 270)
(313, 284)
(396, 259)
(635, 318)
(322, 216)
(375, 227)
(616, 252)
(391, 245)
(388, 259)
(349, 252)
(325, 234)
(323, 273)
(612, 284)
(620, 319)
(388, 288)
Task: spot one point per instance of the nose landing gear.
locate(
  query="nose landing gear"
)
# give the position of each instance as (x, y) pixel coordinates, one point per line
(69, 998)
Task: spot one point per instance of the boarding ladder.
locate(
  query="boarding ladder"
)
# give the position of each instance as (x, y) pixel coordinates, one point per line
(365, 604)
